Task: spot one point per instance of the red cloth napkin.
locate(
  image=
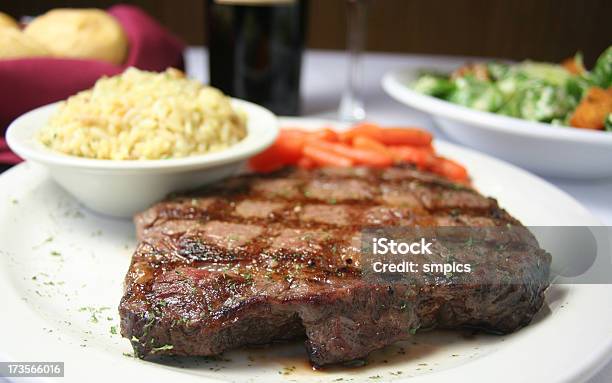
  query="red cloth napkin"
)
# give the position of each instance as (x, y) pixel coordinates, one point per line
(29, 83)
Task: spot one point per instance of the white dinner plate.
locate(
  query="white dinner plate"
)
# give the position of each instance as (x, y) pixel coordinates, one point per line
(543, 148)
(62, 268)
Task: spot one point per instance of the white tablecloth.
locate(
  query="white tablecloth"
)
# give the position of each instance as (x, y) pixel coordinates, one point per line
(323, 78)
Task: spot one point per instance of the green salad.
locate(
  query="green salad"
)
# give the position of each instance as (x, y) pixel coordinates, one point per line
(563, 94)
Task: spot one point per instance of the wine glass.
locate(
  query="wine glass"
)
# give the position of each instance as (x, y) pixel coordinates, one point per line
(351, 105)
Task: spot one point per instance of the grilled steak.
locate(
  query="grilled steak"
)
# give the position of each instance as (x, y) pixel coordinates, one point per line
(262, 258)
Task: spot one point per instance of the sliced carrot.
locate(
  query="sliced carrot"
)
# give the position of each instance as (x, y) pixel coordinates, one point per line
(306, 163)
(286, 150)
(389, 136)
(360, 156)
(422, 157)
(428, 148)
(267, 161)
(325, 134)
(325, 157)
(405, 136)
(290, 144)
(449, 169)
(367, 143)
(366, 129)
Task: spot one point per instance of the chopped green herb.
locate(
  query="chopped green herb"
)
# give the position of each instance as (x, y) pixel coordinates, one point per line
(413, 330)
(162, 348)
(94, 312)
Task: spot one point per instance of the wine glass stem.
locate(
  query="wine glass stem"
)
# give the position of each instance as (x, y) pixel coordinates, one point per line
(352, 105)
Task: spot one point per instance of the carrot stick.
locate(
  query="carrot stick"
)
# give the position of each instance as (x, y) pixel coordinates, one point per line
(428, 148)
(306, 163)
(267, 161)
(405, 136)
(449, 169)
(325, 157)
(360, 156)
(389, 136)
(289, 145)
(366, 129)
(423, 157)
(325, 134)
(367, 143)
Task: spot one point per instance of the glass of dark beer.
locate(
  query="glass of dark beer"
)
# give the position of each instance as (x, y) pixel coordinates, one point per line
(255, 50)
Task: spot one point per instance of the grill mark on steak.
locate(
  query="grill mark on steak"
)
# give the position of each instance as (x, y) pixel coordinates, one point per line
(259, 258)
(330, 215)
(333, 190)
(258, 209)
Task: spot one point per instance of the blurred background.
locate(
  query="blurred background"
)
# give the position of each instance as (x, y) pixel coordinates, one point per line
(548, 30)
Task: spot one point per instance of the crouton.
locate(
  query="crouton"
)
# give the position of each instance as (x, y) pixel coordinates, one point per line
(593, 109)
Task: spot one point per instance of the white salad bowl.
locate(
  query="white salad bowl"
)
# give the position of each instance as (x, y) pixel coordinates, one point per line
(122, 188)
(549, 150)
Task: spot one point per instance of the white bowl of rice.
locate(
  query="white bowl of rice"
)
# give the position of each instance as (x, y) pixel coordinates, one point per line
(134, 138)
